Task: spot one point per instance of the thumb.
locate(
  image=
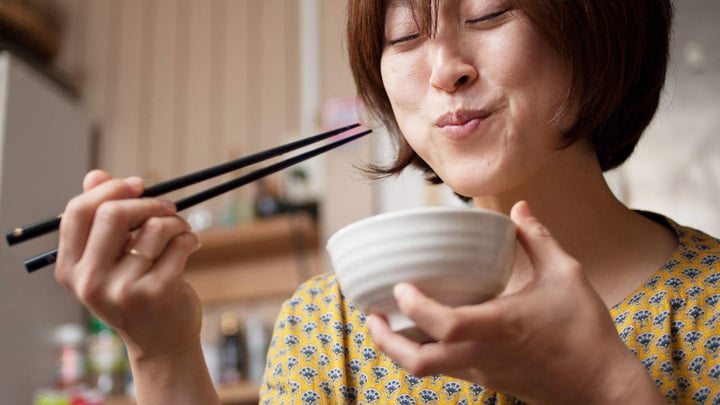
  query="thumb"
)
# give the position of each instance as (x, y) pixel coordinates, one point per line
(543, 250)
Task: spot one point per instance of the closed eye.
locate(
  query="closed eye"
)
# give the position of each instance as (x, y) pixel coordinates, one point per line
(488, 17)
(400, 40)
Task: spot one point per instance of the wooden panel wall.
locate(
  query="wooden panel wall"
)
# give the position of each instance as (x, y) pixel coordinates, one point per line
(176, 85)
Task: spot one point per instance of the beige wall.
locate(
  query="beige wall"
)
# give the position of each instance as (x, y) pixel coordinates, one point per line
(176, 85)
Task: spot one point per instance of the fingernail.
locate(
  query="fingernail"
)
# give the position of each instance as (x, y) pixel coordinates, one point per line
(401, 290)
(135, 182)
(169, 205)
(524, 210)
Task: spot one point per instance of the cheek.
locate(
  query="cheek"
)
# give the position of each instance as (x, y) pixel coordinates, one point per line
(401, 78)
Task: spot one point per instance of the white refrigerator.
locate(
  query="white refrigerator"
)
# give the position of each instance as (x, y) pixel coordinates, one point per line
(44, 152)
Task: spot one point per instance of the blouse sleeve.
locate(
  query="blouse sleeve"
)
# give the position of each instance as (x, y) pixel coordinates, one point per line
(303, 351)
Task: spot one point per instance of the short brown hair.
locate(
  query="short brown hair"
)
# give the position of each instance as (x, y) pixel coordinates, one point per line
(616, 50)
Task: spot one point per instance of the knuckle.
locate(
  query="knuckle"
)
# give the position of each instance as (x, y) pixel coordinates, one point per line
(111, 213)
(419, 367)
(78, 206)
(155, 226)
(452, 329)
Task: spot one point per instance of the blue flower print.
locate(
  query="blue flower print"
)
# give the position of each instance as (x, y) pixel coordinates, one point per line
(695, 312)
(712, 280)
(636, 299)
(712, 346)
(451, 389)
(308, 351)
(311, 307)
(664, 341)
(293, 320)
(405, 399)
(645, 339)
(349, 393)
(326, 318)
(714, 374)
(660, 318)
(701, 395)
(712, 300)
(309, 327)
(709, 260)
(621, 317)
(369, 353)
(371, 395)
(476, 390)
(291, 340)
(310, 398)
(294, 386)
(676, 328)
(657, 298)
(666, 367)
(308, 373)
(335, 373)
(642, 316)
(323, 360)
(412, 381)
(380, 373)
(292, 361)
(694, 291)
(678, 356)
(683, 384)
(428, 396)
(697, 365)
(693, 337)
(392, 386)
(359, 339)
(650, 361)
(324, 338)
(674, 283)
(355, 366)
(326, 388)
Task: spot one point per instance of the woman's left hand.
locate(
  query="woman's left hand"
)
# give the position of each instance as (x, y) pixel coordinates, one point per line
(553, 341)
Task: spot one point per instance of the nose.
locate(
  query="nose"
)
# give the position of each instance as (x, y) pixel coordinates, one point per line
(451, 68)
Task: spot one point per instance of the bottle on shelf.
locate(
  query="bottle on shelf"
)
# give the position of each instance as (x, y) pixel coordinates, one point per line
(106, 358)
(233, 355)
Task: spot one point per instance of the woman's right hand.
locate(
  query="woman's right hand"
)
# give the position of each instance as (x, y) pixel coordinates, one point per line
(139, 293)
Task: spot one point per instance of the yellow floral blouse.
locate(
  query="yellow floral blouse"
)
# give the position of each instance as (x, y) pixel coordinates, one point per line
(321, 352)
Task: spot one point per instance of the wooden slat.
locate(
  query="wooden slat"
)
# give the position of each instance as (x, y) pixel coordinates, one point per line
(161, 91)
(124, 133)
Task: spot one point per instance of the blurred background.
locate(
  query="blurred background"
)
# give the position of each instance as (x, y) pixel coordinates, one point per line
(159, 88)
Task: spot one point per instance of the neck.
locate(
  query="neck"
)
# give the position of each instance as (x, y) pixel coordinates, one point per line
(572, 199)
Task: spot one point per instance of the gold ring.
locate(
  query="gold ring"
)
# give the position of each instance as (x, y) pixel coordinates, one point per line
(140, 254)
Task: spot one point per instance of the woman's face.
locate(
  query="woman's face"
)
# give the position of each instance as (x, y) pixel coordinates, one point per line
(476, 100)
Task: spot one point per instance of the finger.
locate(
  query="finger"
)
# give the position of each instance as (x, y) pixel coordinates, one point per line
(173, 259)
(114, 219)
(422, 359)
(544, 252)
(150, 242)
(95, 178)
(446, 324)
(79, 214)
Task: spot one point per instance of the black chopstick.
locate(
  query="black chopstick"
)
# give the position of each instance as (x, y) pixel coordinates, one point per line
(49, 257)
(28, 232)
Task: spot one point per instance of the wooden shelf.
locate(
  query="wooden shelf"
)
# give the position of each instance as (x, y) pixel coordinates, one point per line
(238, 394)
(268, 258)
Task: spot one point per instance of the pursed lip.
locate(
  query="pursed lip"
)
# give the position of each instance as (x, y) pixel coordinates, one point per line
(460, 117)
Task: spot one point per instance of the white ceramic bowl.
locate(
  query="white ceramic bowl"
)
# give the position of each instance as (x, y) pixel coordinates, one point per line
(457, 256)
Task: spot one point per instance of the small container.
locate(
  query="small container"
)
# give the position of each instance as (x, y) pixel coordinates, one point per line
(233, 357)
(69, 339)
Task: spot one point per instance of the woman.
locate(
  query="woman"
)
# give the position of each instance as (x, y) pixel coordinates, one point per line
(508, 101)
(504, 101)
